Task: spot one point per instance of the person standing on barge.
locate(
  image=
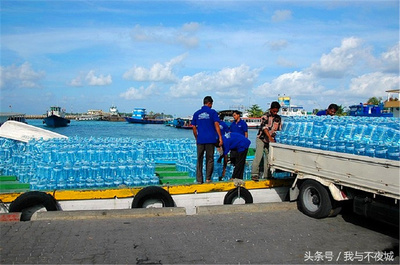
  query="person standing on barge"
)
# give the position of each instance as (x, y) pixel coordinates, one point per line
(239, 125)
(206, 131)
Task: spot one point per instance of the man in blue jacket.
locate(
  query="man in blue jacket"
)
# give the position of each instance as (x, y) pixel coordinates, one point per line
(240, 144)
(206, 130)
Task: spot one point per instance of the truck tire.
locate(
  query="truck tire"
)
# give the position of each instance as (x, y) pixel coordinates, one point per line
(152, 196)
(314, 200)
(33, 201)
(237, 193)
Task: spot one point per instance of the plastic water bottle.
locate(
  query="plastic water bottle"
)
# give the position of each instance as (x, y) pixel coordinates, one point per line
(381, 150)
(393, 152)
(349, 147)
(370, 149)
(359, 148)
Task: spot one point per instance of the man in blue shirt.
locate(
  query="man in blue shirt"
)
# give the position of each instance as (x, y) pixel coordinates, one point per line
(239, 125)
(331, 110)
(240, 144)
(207, 132)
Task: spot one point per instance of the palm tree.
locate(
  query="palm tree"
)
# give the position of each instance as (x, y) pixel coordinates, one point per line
(255, 111)
(340, 111)
(374, 100)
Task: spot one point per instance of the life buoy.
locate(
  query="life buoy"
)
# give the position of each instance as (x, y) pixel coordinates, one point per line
(152, 194)
(239, 192)
(30, 202)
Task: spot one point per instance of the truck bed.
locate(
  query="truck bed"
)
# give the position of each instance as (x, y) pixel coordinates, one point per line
(375, 175)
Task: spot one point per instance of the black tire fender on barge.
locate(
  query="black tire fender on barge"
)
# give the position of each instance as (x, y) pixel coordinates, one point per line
(152, 194)
(239, 192)
(30, 202)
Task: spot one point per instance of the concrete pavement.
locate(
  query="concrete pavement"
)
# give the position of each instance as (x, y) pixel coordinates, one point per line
(229, 234)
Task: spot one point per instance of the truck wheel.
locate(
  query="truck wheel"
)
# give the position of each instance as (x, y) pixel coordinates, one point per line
(152, 196)
(314, 200)
(33, 201)
(238, 196)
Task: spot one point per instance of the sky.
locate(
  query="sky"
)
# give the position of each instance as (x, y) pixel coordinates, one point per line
(166, 56)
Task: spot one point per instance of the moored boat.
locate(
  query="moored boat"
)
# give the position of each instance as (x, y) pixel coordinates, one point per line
(287, 109)
(182, 123)
(56, 117)
(139, 116)
(367, 110)
(252, 123)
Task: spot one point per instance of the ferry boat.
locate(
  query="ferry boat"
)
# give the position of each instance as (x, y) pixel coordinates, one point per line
(367, 110)
(252, 123)
(55, 117)
(91, 115)
(139, 116)
(290, 110)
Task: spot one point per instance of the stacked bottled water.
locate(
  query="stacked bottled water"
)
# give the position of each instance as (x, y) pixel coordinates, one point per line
(79, 162)
(369, 136)
(189, 163)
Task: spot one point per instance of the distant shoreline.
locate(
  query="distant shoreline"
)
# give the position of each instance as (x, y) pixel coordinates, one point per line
(74, 117)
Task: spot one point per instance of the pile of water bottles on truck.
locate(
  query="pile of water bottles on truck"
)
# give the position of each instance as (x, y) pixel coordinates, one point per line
(367, 136)
(103, 162)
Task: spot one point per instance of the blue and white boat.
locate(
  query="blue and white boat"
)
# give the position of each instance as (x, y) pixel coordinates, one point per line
(55, 117)
(139, 116)
(367, 110)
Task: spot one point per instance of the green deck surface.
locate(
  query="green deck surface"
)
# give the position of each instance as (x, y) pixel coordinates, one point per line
(169, 175)
(11, 184)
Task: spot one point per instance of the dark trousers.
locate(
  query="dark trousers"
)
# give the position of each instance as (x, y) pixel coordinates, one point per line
(240, 162)
(209, 149)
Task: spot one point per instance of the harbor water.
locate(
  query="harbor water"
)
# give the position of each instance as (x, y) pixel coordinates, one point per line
(124, 129)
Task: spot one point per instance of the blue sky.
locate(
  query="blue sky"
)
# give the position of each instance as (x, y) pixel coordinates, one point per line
(165, 56)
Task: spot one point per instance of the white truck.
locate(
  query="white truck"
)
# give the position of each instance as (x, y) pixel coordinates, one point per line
(325, 181)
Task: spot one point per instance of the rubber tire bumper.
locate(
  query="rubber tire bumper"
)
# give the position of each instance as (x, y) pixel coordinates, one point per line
(238, 192)
(30, 199)
(152, 193)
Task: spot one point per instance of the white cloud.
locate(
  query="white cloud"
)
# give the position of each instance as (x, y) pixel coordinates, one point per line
(157, 73)
(231, 82)
(100, 80)
(91, 79)
(293, 84)
(159, 34)
(76, 81)
(281, 15)
(341, 60)
(277, 45)
(20, 76)
(139, 93)
(374, 84)
(390, 59)
(191, 26)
